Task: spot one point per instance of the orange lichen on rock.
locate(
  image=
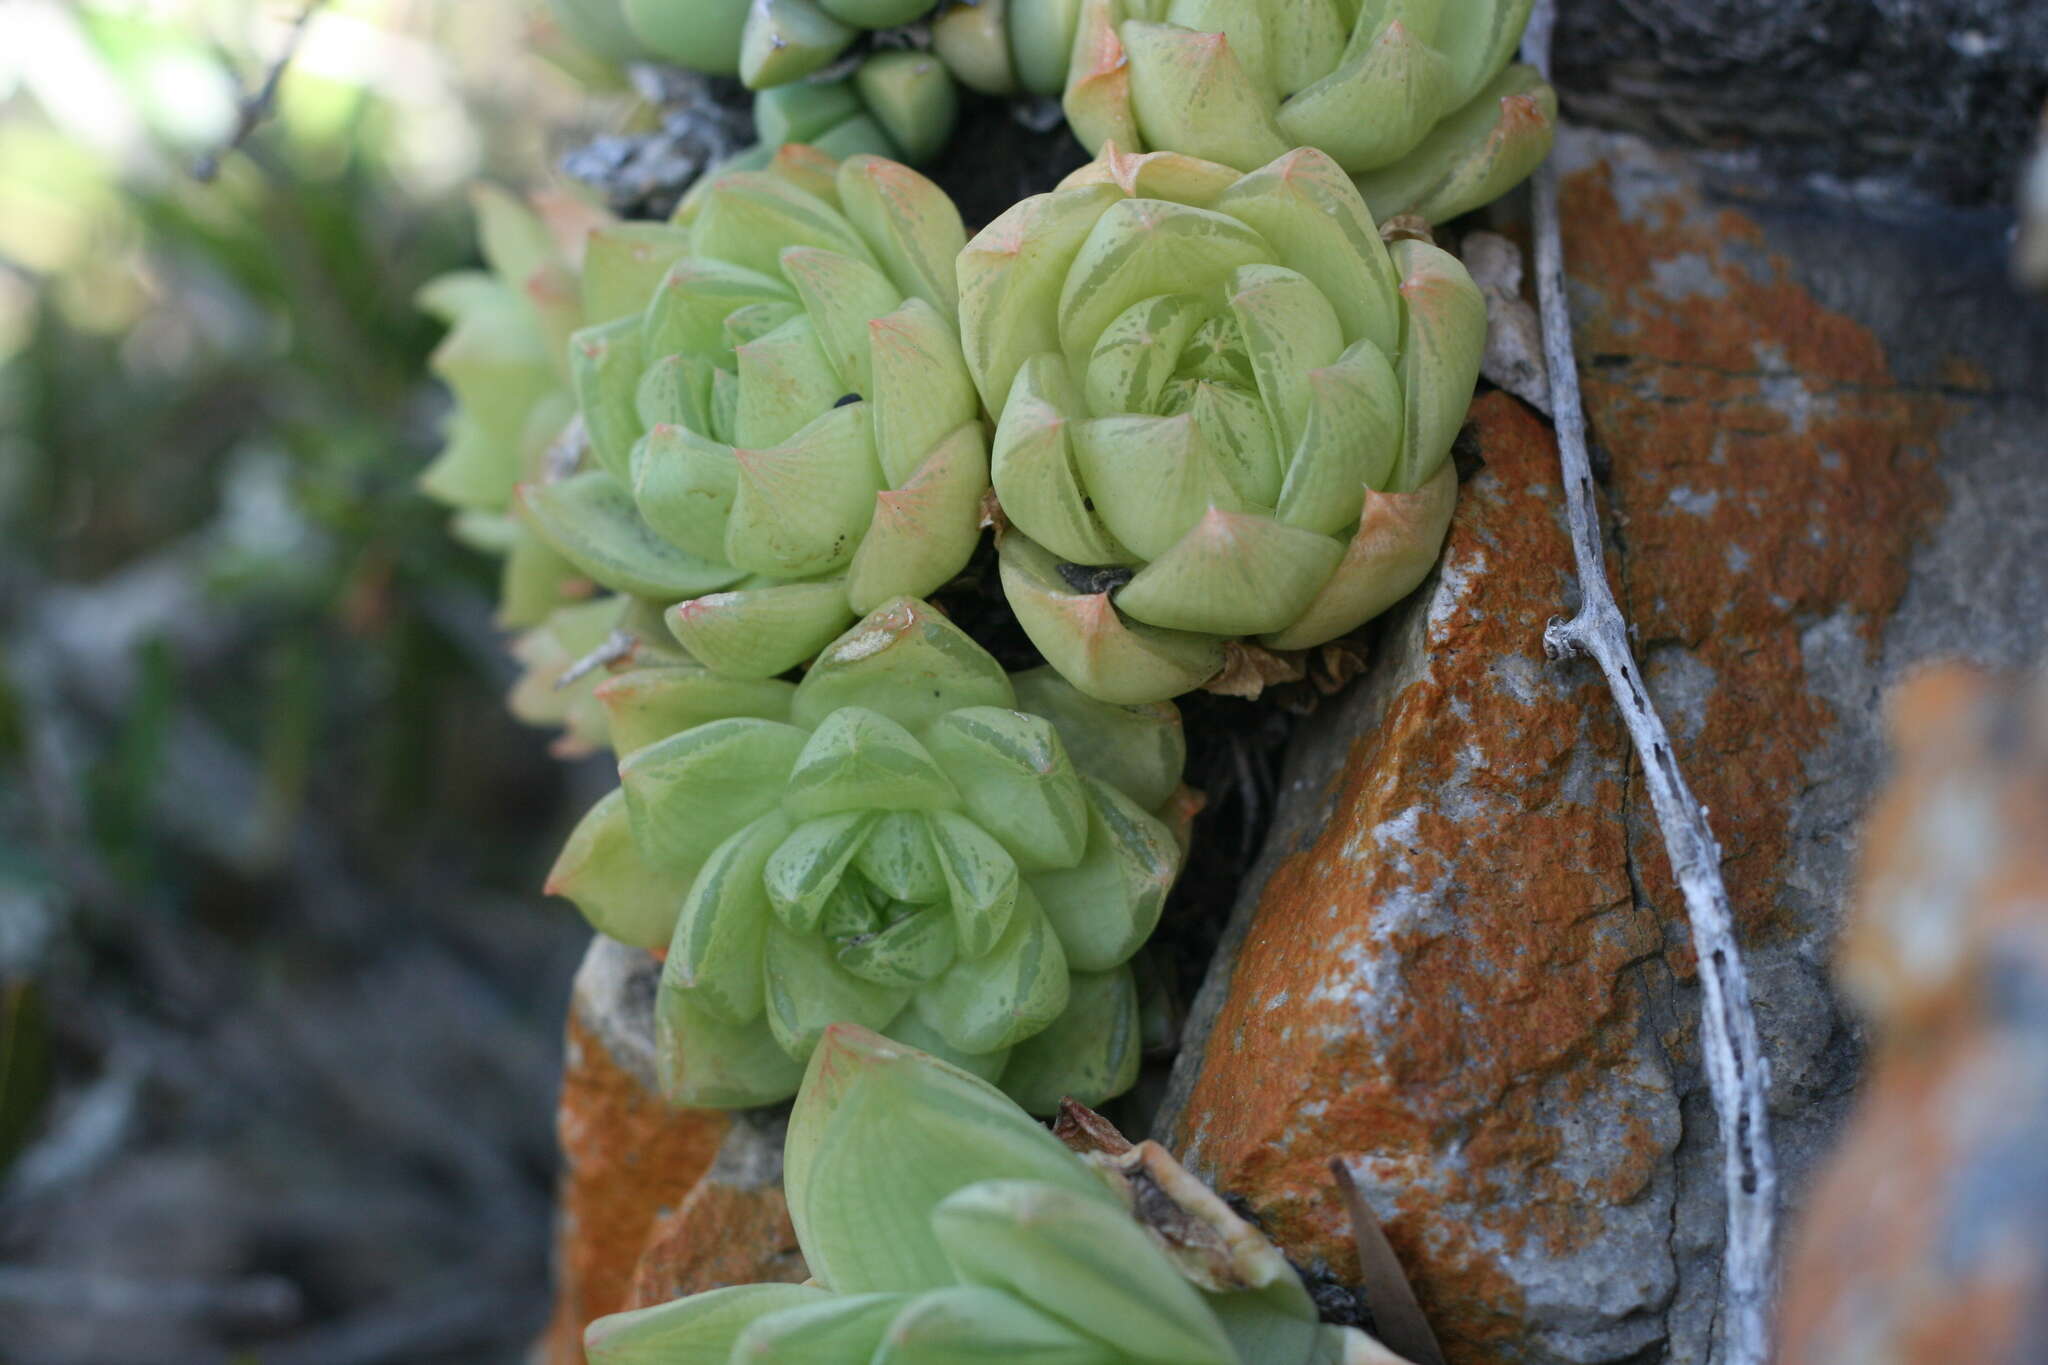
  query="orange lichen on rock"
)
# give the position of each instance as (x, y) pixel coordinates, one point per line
(1463, 981)
(1768, 472)
(1450, 948)
(626, 1156)
(722, 1234)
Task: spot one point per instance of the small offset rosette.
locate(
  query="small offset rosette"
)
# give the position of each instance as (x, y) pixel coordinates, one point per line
(1224, 409)
(942, 1226)
(909, 839)
(1416, 98)
(783, 433)
(823, 79)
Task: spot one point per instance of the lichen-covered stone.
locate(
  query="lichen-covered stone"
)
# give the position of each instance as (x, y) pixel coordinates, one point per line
(1461, 964)
(626, 1155)
(732, 1228)
(1926, 1240)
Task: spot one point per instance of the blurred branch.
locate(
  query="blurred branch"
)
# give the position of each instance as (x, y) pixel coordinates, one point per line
(258, 105)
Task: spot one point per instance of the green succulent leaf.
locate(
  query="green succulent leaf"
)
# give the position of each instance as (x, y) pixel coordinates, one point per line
(1479, 153)
(1017, 782)
(601, 870)
(591, 520)
(809, 990)
(1193, 94)
(910, 94)
(1041, 40)
(786, 40)
(924, 531)
(845, 1328)
(652, 703)
(799, 508)
(907, 953)
(703, 35)
(1139, 750)
(604, 369)
(898, 859)
(622, 264)
(981, 885)
(707, 1062)
(802, 111)
(699, 1330)
(1090, 1264)
(688, 793)
(912, 226)
(912, 1031)
(1441, 343)
(882, 1133)
(972, 38)
(907, 662)
(858, 759)
(968, 1323)
(805, 871)
(1090, 644)
(1014, 989)
(1106, 906)
(1089, 1054)
(717, 949)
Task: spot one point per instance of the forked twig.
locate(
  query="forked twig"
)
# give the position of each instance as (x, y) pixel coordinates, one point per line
(252, 109)
(1736, 1069)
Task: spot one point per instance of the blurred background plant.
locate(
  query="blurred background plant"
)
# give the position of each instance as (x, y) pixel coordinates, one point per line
(279, 1004)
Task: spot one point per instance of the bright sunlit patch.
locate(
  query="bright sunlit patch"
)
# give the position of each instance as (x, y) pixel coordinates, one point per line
(188, 96)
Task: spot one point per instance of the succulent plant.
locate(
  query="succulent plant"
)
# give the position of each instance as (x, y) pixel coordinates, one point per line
(1223, 410)
(1007, 47)
(943, 1227)
(997, 46)
(545, 694)
(908, 839)
(504, 363)
(892, 97)
(898, 104)
(782, 429)
(1414, 97)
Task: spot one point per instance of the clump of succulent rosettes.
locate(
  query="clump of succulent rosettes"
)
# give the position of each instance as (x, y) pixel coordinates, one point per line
(909, 839)
(783, 428)
(1413, 97)
(943, 1227)
(1224, 407)
(891, 94)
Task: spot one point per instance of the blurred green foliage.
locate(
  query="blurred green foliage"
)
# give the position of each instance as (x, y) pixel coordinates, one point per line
(241, 361)
(227, 380)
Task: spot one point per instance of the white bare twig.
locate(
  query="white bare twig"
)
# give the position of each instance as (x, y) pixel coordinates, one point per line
(1736, 1070)
(617, 645)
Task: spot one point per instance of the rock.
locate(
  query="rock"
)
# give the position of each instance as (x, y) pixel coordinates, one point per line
(1461, 964)
(1941, 93)
(627, 1156)
(732, 1228)
(1927, 1237)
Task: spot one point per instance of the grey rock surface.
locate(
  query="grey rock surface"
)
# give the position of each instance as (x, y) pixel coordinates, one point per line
(1944, 93)
(613, 999)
